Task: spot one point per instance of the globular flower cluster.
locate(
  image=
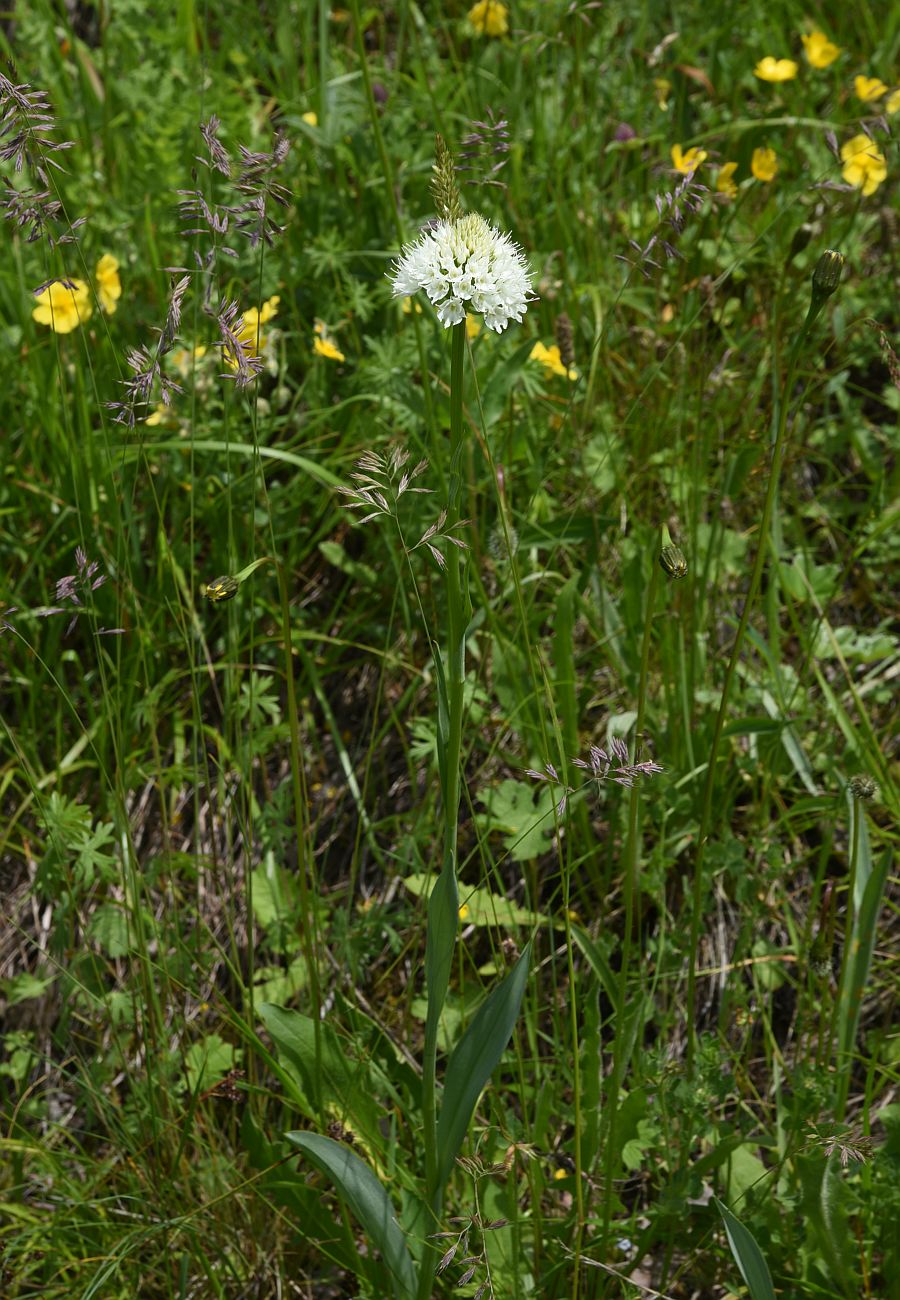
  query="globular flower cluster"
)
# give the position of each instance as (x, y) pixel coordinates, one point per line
(467, 263)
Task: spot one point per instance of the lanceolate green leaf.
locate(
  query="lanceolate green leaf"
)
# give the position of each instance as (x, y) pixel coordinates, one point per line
(343, 1085)
(747, 1256)
(474, 1059)
(368, 1201)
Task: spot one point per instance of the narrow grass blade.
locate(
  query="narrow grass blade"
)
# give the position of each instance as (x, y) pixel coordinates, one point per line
(859, 961)
(747, 1256)
(474, 1059)
(368, 1201)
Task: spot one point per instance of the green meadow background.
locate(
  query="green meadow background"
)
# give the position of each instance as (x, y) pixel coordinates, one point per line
(223, 767)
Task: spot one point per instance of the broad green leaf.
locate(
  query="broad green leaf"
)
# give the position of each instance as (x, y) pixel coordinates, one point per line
(822, 1208)
(744, 1170)
(275, 894)
(368, 1201)
(109, 929)
(474, 1059)
(523, 812)
(479, 906)
(208, 1061)
(747, 1256)
(598, 964)
(343, 1086)
(24, 986)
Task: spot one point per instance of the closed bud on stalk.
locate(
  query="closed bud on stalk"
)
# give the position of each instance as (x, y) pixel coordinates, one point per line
(672, 558)
(863, 787)
(827, 275)
(224, 588)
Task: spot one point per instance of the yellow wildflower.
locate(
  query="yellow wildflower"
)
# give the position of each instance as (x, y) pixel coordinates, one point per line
(864, 164)
(820, 51)
(688, 161)
(893, 103)
(324, 347)
(463, 911)
(725, 183)
(63, 305)
(109, 286)
(311, 119)
(408, 308)
(769, 69)
(162, 414)
(868, 88)
(183, 359)
(488, 17)
(764, 164)
(473, 326)
(551, 360)
(250, 333)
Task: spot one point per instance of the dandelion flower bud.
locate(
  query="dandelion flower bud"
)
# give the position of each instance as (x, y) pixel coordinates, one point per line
(224, 588)
(827, 274)
(671, 558)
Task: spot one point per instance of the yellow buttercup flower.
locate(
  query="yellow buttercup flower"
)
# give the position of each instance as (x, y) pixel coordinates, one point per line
(463, 911)
(109, 286)
(473, 326)
(489, 18)
(250, 334)
(764, 164)
(769, 69)
(161, 414)
(63, 305)
(820, 51)
(725, 183)
(688, 161)
(183, 359)
(324, 347)
(864, 164)
(551, 360)
(893, 103)
(311, 119)
(869, 88)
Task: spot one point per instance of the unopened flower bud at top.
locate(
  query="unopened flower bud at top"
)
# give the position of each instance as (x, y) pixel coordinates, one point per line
(672, 558)
(224, 588)
(827, 274)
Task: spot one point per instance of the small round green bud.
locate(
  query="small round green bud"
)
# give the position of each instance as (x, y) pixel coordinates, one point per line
(827, 273)
(863, 787)
(224, 588)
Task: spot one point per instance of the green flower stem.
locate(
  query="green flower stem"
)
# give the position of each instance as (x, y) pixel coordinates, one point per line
(304, 863)
(752, 592)
(438, 937)
(841, 1011)
(631, 892)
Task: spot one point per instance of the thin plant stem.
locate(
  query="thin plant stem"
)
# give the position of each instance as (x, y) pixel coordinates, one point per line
(630, 892)
(840, 1010)
(454, 680)
(752, 592)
